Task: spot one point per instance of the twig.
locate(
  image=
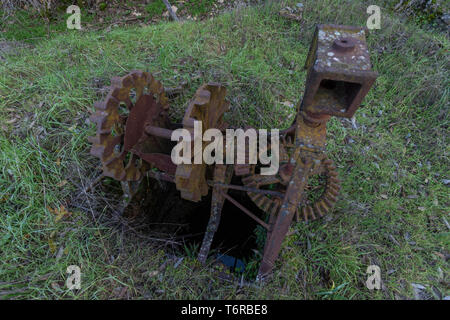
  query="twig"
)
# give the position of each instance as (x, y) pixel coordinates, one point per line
(167, 241)
(446, 223)
(14, 291)
(169, 8)
(96, 180)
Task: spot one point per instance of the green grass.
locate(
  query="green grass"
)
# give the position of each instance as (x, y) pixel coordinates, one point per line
(28, 27)
(393, 204)
(155, 8)
(199, 7)
(31, 26)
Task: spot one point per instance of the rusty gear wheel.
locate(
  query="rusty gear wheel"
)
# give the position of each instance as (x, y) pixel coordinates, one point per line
(208, 106)
(308, 209)
(136, 90)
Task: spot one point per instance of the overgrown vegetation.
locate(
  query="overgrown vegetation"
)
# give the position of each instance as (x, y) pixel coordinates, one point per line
(39, 21)
(393, 210)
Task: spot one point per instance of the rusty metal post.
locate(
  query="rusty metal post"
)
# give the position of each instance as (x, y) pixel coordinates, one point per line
(286, 214)
(222, 174)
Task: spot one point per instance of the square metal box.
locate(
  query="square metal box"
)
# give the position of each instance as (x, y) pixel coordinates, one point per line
(339, 71)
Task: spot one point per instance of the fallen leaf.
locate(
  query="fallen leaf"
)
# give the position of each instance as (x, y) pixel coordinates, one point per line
(55, 286)
(60, 212)
(391, 237)
(153, 273)
(354, 125)
(52, 245)
(123, 292)
(440, 255)
(436, 292)
(178, 262)
(62, 183)
(446, 223)
(419, 291)
(288, 104)
(60, 253)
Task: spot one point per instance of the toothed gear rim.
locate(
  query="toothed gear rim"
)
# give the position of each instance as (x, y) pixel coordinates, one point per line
(107, 144)
(208, 106)
(306, 212)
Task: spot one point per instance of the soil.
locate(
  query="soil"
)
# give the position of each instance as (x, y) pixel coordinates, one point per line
(162, 212)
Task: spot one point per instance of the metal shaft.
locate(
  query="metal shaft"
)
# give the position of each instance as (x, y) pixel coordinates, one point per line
(287, 211)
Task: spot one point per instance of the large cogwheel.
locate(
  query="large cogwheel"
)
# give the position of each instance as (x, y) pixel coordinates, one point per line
(309, 209)
(208, 106)
(137, 98)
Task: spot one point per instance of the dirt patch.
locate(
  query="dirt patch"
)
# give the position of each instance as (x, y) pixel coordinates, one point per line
(159, 211)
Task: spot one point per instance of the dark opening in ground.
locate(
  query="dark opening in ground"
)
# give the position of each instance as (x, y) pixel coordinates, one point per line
(167, 215)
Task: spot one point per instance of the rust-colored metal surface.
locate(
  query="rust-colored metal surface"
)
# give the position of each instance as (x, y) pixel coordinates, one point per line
(306, 210)
(339, 72)
(130, 144)
(119, 120)
(222, 174)
(208, 106)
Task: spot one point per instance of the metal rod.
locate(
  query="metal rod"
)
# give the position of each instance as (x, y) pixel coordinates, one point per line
(170, 178)
(246, 189)
(93, 183)
(161, 176)
(223, 174)
(245, 210)
(158, 132)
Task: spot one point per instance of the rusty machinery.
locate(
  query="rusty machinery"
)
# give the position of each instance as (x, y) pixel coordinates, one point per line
(133, 139)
